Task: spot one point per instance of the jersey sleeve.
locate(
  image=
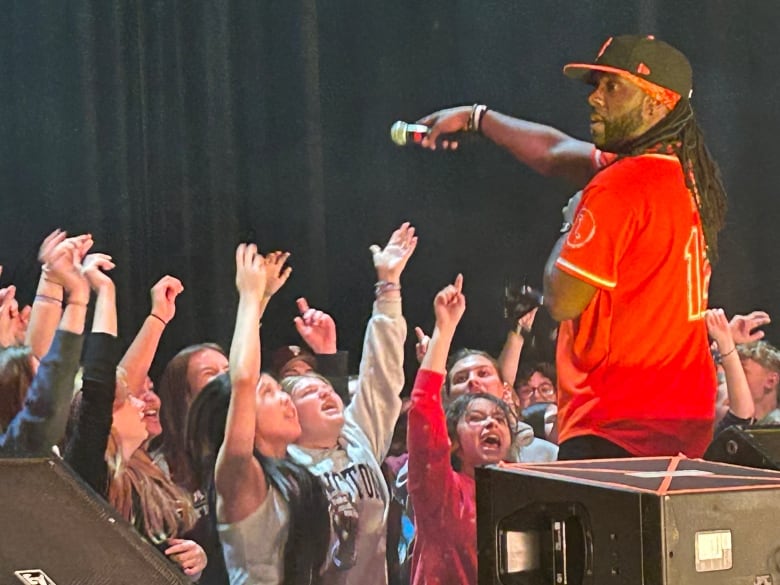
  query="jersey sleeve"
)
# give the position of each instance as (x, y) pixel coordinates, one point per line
(602, 230)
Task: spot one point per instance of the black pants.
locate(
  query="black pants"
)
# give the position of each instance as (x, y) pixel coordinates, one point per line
(590, 447)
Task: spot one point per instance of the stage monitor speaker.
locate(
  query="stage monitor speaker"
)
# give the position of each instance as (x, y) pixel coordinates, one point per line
(751, 446)
(648, 521)
(54, 530)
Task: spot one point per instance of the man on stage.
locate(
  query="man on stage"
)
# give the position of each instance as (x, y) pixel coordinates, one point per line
(628, 279)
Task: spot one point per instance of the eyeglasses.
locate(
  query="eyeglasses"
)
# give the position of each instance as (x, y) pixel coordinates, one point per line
(545, 390)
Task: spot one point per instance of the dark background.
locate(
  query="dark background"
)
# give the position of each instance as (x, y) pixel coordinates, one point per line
(172, 130)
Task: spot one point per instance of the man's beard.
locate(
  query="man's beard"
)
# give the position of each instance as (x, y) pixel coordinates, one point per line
(620, 132)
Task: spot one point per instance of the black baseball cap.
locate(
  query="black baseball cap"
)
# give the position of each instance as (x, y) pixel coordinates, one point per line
(642, 58)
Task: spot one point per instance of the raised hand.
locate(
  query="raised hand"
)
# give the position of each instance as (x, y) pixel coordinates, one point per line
(49, 244)
(275, 272)
(94, 268)
(718, 328)
(188, 554)
(63, 265)
(526, 322)
(9, 309)
(164, 294)
(250, 271)
(449, 305)
(316, 328)
(742, 326)
(447, 121)
(391, 260)
(22, 323)
(421, 347)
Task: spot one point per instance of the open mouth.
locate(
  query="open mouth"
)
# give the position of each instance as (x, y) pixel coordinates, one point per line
(491, 441)
(151, 413)
(331, 408)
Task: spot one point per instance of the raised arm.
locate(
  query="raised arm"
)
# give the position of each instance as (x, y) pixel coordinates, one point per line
(41, 422)
(85, 451)
(509, 360)
(139, 356)
(318, 329)
(48, 305)
(376, 405)
(740, 399)
(427, 439)
(543, 148)
(236, 466)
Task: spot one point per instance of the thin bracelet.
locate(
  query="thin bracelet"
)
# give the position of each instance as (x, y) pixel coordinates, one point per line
(160, 319)
(48, 299)
(728, 352)
(77, 303)
(383, 286)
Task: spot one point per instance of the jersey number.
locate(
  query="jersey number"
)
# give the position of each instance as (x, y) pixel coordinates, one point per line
(698, 272)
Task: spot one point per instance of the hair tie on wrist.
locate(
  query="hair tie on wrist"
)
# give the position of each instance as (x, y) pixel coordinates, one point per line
(729, 352)
(160, 319)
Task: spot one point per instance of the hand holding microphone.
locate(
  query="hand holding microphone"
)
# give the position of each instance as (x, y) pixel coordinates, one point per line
(444, 123)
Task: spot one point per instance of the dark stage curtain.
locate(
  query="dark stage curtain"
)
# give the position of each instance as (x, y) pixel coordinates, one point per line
(172, 130)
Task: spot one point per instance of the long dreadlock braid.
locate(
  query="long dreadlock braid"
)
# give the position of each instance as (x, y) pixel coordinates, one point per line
(679, 133)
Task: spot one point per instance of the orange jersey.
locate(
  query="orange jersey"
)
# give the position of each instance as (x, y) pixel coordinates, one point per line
(635, 367)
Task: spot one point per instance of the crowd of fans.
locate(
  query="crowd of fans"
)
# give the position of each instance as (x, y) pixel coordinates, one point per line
(293, 471)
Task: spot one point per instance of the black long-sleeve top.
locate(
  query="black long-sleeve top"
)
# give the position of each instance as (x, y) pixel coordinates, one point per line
(86, 449)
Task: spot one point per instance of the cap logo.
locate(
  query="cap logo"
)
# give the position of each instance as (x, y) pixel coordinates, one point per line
(643, 69)
(606, 44)
(295, 350)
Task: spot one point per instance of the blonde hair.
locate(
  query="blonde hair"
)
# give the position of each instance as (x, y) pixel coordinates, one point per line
(762, 353)
(142, 493)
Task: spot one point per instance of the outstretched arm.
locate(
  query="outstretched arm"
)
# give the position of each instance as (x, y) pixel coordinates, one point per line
(47, 308)
(139, 356)
(449, 306)
(543, 148)
(236, 466)
(85, 451)
(427, 440)
(740, 399)
(376, 405)
(41, 422)
(509, 360)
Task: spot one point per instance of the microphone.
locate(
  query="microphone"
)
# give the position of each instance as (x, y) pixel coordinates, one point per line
(402, 133)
